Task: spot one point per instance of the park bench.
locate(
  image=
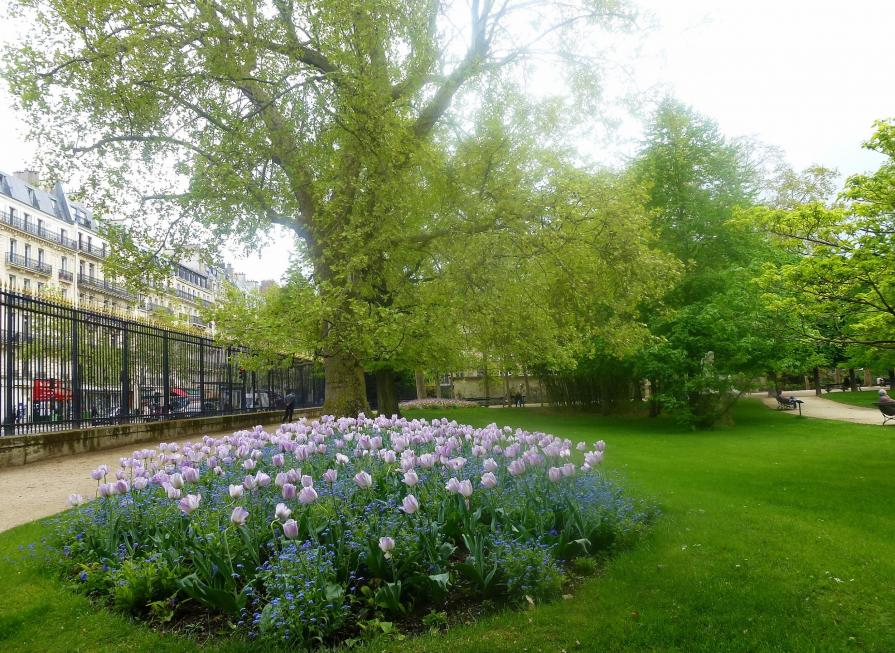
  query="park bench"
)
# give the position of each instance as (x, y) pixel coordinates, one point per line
(888, 411)
(789, 403)
(829, 387)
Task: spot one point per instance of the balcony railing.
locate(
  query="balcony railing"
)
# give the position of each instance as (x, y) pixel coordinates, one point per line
(93, 250)
(65, 275)
(198, 321)
(28, 263)
(37, 230)
(105, 286)
(191, 298)
(153, 307)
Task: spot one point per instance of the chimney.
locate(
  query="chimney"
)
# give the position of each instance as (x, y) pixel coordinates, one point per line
(30, 177)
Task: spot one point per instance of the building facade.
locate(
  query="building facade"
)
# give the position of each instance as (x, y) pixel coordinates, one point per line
(51, 246)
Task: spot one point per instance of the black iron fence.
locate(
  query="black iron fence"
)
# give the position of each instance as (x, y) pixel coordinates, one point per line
(62, 367)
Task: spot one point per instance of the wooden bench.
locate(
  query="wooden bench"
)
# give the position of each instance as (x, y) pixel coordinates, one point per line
(789, 403)
(888, 411)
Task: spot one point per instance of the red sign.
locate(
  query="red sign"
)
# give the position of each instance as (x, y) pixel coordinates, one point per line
(49, 390)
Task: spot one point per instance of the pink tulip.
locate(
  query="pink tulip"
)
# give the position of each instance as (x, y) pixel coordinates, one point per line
(307, 495)
(342, 459)
(554, 474)
(75, 500)
(140, 483)
(489, 480)
(465, 488)
(262, 479)
(248, 464)
(330, 476)
(411, 478)
(172, 492)
(293, 475)
(190, 503)
(410, 504)
(387, 544)
(363, 480)
(121, 487)
(282, 512)
(490, 465)
(249, 482)
(307, 481)
(239, 516)
(452, 486)
(290, 529)
(289, 491)
(176, 480)
(600, 446)
(516, 467)
(279, 460)
(190, 474)
(236, 491)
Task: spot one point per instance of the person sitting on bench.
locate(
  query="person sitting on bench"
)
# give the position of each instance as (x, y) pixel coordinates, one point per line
(785, 400)
(885, 399)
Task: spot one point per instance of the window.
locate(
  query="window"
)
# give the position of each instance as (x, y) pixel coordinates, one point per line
(27, 253)
(63, 235)
(64, 263)
(12, 246)
(12, 281)
(40, 227)
(26, 284)
(92, 270)
(65, 293)
(40, 255)
(80, 239)
(12, 212)
(26, 219)
(82, 268)
(40, 287)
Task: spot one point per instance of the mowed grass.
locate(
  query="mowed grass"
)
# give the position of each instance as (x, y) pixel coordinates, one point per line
(863, 398)
(777, 534)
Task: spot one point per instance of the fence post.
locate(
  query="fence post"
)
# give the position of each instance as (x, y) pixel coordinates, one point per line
(75, 370)
(201, 376)
(254, 391)
(9, 427)
(125, 403)
(166, 384)
(228, 406)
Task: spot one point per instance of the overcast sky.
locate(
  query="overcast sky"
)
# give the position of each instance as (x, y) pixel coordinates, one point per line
(809, 76)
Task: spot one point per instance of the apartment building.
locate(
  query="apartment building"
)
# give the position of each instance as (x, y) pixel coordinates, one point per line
(51, 243)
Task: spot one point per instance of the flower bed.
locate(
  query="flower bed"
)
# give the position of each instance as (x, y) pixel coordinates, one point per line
(305, 535)
(436, 404)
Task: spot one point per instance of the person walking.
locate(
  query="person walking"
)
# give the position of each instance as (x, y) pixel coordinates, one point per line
(289, 401)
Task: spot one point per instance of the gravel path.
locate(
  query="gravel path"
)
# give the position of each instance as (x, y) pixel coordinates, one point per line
(41, 489)
(821, 408)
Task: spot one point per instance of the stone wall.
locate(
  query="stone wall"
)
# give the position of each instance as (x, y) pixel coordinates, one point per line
(24, 449)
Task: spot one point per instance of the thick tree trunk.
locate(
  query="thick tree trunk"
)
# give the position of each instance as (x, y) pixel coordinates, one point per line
(346, 392)
(506, 387)
(817, 388)
(527, 386)
(438, 392)
(420, 384)
(487, 382)
(852, 384)
(387, 392)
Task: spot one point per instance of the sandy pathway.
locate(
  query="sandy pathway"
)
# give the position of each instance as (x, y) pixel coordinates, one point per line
(41, 489)
(821, 408)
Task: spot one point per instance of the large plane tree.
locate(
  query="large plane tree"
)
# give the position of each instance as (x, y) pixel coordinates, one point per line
(208, 121)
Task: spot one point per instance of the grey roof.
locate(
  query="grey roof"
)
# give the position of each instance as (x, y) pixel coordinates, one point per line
(41, 200)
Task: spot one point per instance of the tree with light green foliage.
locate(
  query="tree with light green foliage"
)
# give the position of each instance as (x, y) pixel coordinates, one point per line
(840, 283)
(336, 120)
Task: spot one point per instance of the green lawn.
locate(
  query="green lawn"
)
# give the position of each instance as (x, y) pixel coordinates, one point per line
(864, 398)
(776, 535)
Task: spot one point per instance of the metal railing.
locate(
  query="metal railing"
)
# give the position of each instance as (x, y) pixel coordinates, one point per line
(93, 250)
(36, 230)
(28, 263)
(105, 286)
(63, 368)
(65, 275)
